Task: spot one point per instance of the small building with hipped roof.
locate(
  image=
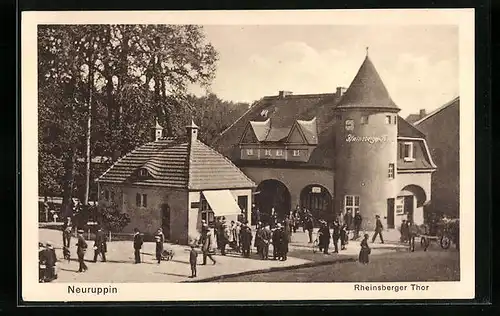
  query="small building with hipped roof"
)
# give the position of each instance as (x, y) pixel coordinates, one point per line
(174, 184)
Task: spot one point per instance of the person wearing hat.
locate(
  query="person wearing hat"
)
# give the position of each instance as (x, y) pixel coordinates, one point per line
(364, 253)
(100, 246)
(81, 248)
(283, 240)
(67, 232)
(336, 235)
(276, 241)
(159, 239)
(246, 240)
(324, 237)
(138, 241)
(266, 240)
(50, 259)
(207, 248)
(378, 230)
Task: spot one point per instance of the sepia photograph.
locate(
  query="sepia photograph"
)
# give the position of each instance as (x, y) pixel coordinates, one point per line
(225, 152)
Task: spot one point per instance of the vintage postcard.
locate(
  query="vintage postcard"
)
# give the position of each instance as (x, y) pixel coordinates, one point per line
(248, 155)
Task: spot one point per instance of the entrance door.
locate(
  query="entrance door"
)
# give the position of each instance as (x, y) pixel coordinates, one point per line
(390, 213)
(165, 220)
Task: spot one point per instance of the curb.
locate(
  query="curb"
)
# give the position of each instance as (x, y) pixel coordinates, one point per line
(274, 269)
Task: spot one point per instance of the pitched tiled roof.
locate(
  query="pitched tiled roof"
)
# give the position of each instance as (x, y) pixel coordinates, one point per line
(444, 106)
(367, 90)
(412, 118)
(277, 134)
(172, 163)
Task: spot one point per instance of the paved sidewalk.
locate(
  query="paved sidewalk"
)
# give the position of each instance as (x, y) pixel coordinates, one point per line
(120, 267)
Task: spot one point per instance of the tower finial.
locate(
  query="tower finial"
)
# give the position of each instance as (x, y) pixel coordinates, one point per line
(367, 51)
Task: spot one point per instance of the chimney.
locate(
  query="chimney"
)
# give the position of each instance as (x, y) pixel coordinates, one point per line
(157, 131)
(422, 113)
(284, 94)
(192, 132)
(340, 91)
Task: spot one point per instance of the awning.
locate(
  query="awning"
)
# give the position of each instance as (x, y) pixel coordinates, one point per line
(222, 202)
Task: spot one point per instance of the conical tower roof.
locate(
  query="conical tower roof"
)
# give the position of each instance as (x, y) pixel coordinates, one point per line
(367, 90)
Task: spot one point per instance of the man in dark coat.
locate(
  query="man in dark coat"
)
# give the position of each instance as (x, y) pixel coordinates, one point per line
(357, 224)
(50, 260)
(404, 231)
(276, 241)
(287, 226)
(378, 229)
(81, 248)
(343, 236)
(336, 235)
(246, 240)
(67, 232)
(100, 246)
(266, 240)
(324, 237)
(138, 241)
(283, 244)
(258, 239)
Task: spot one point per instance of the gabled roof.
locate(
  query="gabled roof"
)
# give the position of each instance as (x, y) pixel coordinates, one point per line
(367, 90)
(452, 102)
(412, 118)
(173, 163)
(261, 129)
(277, 134)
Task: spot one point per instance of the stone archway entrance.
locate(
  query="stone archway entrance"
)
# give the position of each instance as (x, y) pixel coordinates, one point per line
(409, 206)
(318, 201)
(272, 194)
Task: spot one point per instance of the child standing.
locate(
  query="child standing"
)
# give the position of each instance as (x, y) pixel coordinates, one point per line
(193, 257)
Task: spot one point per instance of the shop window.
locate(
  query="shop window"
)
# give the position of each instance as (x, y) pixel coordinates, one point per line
(206, 212)
(391, 171)
(351, 203)
(279, 152)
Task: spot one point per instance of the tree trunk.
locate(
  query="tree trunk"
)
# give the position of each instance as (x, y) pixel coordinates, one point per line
(89, 129)
(69, 178)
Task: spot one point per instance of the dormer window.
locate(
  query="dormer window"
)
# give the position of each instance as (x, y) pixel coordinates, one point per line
(249, 152)
(143, 172)
(408, 152)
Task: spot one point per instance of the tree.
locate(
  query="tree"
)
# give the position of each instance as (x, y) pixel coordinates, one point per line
(101, 86)
(112, 219)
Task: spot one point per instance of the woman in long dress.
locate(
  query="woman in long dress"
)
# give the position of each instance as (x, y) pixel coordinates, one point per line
(365, 251)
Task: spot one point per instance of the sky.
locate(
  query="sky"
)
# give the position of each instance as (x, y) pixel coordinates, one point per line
(418, 63)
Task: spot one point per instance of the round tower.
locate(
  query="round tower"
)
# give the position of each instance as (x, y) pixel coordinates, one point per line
(366, 148)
